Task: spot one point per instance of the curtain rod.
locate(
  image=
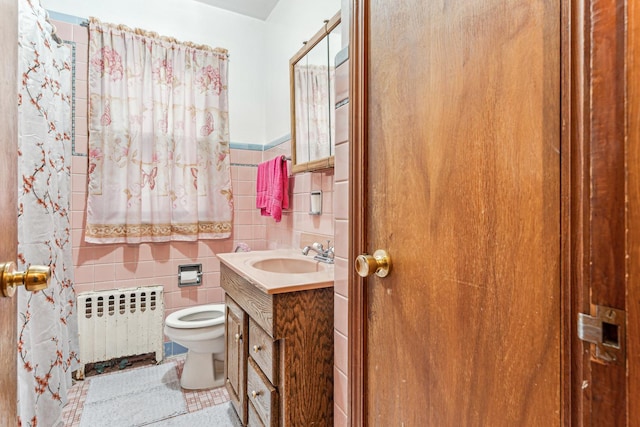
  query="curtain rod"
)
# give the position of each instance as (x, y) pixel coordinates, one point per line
(85, 23)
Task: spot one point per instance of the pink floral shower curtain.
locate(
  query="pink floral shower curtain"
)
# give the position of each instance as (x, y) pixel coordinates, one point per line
(158, 139)
(47, 325)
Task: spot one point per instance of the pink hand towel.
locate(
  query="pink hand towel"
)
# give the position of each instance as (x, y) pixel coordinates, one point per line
(261, 186)
(272, 188)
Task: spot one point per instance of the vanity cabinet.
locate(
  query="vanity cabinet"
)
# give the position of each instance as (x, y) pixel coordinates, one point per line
(279, 353)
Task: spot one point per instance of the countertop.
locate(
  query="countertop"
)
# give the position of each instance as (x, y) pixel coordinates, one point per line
(278, 282)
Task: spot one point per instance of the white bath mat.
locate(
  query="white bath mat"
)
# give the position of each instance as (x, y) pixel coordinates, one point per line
(219, 416)
(133, 398)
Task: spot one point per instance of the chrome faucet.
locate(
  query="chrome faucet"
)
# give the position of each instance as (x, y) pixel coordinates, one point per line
(322, 254)
(316, 247)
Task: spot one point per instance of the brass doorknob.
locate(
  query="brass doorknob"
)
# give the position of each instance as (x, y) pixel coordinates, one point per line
(35, 278)
(378, 264)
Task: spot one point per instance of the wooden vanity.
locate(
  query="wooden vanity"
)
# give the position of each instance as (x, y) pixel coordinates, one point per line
(279, 353)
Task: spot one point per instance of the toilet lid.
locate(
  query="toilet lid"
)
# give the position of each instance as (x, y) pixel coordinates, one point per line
(200, 316)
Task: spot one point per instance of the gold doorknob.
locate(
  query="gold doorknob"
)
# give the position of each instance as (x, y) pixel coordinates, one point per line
(378, 264)
(35, 278)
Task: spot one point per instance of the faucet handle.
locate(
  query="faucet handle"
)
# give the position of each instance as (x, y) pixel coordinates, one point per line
(317, 246)
(330, 253)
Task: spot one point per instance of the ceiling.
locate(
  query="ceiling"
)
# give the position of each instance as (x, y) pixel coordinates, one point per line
(259, 9)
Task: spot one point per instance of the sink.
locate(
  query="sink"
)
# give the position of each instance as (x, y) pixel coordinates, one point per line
(288, 265)
(276, 271)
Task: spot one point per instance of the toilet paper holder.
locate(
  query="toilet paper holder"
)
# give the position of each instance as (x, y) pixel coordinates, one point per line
(189, 275)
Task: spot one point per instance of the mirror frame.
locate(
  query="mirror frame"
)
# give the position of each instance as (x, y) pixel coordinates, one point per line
(326, 162)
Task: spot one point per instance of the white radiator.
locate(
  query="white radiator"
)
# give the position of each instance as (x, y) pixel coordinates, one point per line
(120, 323)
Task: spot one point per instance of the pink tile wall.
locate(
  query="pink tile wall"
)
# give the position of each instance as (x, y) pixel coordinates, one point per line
(248, 227)
(341, 226)
(296, 220)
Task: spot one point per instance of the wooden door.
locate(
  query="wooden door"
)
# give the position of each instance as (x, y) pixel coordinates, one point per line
(458, 114)
(8, 201)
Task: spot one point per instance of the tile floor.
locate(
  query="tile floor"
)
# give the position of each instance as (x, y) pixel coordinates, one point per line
(196, 400)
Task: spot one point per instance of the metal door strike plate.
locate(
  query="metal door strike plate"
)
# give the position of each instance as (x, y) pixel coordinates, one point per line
(606, 332)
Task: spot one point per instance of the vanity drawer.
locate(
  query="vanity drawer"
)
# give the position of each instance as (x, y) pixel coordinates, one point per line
(262, 395)
(264, 350)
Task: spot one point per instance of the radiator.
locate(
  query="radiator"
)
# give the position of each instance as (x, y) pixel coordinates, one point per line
(120, 323)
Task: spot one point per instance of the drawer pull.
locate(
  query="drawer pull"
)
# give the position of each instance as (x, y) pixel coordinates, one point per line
(255, 394)
(237, 337)
(256, 348)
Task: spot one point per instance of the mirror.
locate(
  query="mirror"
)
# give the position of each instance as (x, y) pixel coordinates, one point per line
(312, 71)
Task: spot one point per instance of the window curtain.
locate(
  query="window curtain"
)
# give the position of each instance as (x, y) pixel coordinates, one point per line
(158, 139)
(313, 85)
(47, 325)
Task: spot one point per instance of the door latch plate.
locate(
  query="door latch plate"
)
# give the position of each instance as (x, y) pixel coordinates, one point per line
(606, 333)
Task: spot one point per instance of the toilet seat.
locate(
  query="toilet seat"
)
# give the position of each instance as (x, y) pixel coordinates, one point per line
(196, 317)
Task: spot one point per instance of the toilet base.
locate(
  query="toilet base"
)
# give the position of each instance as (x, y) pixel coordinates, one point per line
(199, 371)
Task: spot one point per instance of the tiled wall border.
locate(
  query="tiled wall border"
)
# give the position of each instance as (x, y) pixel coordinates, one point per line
(72, 46)
(70, 19)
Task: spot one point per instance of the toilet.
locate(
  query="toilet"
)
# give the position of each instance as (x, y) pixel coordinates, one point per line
(201, 330)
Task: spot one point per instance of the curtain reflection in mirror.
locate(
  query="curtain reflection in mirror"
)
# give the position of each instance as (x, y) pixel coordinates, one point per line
(312, 83)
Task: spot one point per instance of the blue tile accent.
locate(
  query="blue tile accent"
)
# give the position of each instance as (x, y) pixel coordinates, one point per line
(245, 146)
(63, 17)
(276, 142)
(342, 56)
(260, 147)
(256, 147)
(178, 349)
(172, 349)
(168, 349)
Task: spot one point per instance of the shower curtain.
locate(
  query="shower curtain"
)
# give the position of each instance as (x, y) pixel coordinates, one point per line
(47, 326)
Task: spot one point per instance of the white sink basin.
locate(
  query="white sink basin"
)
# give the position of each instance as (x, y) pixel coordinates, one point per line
(280, 270)
(287, 265)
